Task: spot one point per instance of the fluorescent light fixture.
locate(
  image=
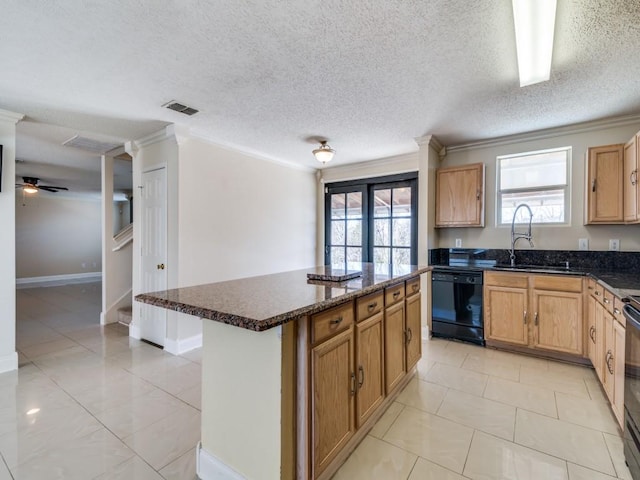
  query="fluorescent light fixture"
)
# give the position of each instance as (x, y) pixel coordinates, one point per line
(535, 22)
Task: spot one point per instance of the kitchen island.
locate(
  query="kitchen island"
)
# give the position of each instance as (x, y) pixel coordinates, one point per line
(296, 371)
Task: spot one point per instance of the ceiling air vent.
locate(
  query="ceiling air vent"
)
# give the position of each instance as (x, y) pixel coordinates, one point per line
(178, 107)
(90, 144)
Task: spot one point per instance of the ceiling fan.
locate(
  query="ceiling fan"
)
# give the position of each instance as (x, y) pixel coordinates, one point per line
(30, 185)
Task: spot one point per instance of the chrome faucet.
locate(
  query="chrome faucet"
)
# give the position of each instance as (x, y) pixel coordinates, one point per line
(515, 236)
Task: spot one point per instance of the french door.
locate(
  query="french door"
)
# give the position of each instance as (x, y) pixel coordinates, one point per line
(372, 220)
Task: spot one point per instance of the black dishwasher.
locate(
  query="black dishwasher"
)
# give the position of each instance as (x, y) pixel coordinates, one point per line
(456, 304)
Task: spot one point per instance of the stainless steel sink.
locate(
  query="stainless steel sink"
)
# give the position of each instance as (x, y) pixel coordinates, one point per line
(537, 268)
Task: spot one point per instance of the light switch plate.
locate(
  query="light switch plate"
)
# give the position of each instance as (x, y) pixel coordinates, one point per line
(458, 243)
(614, 244)
(583, 244)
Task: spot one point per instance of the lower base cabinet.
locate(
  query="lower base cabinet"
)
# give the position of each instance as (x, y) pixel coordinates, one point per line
(359, 354)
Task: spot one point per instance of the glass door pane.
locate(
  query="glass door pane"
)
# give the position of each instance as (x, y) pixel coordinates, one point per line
(345, 229)
(392, 223)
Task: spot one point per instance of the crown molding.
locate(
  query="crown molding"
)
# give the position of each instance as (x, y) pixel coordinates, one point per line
(407, 162)
(10, 116)
(549, 133)
(431, 141)
(251, 153)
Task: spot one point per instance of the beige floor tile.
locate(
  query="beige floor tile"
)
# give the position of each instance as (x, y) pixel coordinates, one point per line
(422, 395)
(580, 372)
(594, 387)
(492, 458)
(570, 442)
(388, 417)
(578, 472)
(163, 442)
(426, 470)
(5, 474)
(528, 397)
(192, 396)
(438, 352)
(556, 381)
(194, 355)
(183, 468)
(616, 449)
(81, 458)
(486, 415)
(492, 366)
(429, 436)
(375, 459)
(586, 412)
(34, 351)
(114, 393)
(457, 378)
(133, 469)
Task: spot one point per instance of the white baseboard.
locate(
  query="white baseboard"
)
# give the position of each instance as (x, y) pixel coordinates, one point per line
(55, 280)
(9, 362)
(209, 467)
(178, 347)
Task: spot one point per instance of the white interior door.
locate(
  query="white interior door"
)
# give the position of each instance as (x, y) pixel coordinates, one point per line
(153, 321)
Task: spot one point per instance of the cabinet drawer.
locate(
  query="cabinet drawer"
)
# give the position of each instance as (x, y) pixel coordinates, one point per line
(393, 294)
(591, 285)
(500, 279)
(607, 300)
(598, 292)
(559, 283)
(413, 286)
(369, 305)
(617, 311)
(331, 321)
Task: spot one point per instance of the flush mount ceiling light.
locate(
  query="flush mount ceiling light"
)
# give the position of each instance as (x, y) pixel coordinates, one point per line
(324, 153)
(534, 22)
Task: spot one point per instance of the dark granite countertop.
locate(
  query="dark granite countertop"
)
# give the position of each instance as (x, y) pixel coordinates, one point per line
(263, 302)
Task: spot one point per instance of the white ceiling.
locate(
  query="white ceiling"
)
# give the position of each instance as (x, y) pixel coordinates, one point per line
(267, 75)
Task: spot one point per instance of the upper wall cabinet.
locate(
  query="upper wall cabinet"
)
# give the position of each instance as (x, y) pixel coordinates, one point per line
(604, 187)
(460, 196)
(630, 181)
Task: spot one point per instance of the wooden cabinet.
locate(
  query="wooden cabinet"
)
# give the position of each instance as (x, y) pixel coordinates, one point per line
(607, 340)
(369, 360)
(460, 196)
(604, 193)
(413, 323)
(334, 385)
(359, 356)
(537, 311)
(630, 181)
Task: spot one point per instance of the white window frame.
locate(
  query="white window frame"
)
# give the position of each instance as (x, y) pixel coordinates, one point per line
(500, 222)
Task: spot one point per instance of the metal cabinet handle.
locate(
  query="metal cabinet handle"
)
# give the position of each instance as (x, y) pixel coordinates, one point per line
(616, 311)
(525, 317)
(597, 293)
(361, 372)
(396, 295)
(477, 194)
(414, 287)
(593, 185)
(606, 300)
(633, 177)
(336, 321)
(371, 306)
(535, 319)
(352, 392)
(609, 358)
(592, 334)
(409, 335)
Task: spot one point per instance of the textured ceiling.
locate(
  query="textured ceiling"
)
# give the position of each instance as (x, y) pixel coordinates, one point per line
(267, 75)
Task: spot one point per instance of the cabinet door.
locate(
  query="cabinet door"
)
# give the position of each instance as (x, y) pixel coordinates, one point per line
(605, 195)
(459, 196)
(608, 378)
(618, 371)
(505, 314)
(591, 330)
(369, 360)
(558, 321)
(414, 328)
(333, 378)
(630, 182)
(598, 362)
(394, 346)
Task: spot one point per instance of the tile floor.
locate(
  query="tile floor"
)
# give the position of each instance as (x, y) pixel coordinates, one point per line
(89, 403)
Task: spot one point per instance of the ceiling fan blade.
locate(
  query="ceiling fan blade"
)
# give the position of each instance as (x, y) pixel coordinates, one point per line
(50, 187)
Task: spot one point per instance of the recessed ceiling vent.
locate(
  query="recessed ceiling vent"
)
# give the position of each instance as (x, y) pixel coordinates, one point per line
(90, 144)
(178, 107)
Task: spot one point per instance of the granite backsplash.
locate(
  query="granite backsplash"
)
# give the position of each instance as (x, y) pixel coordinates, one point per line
(578, 259)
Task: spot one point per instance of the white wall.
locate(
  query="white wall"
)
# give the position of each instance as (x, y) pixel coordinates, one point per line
(8, 355)
(242, 216)
(545, 237)
(55, 235)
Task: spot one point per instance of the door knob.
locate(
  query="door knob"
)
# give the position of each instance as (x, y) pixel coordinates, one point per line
(160, 266)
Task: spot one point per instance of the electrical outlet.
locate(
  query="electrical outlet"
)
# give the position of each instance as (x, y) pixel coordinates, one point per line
(458, 243)
(614, 244)
(583, 244)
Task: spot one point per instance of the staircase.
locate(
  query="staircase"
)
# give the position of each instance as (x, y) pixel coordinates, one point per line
(124, 316)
